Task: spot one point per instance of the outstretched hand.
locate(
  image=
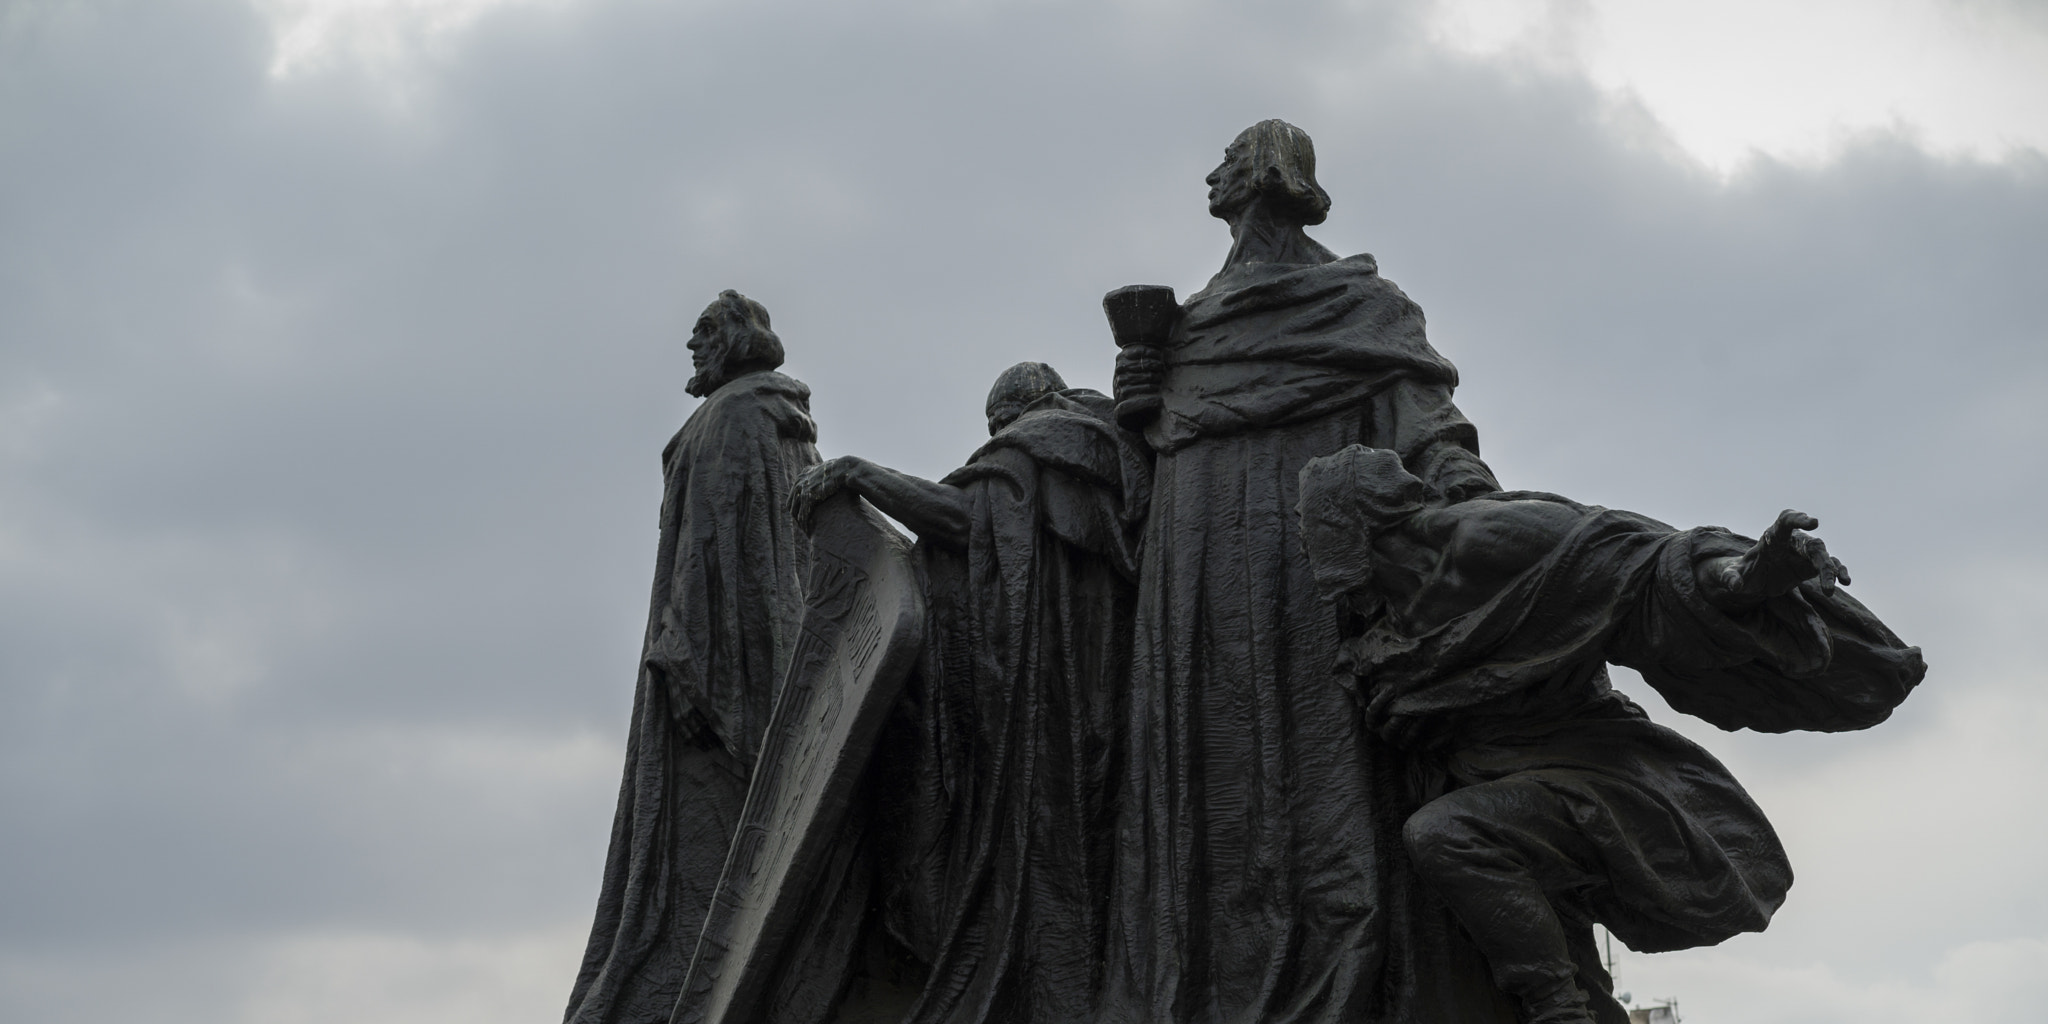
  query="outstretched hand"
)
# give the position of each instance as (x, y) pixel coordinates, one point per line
(815, 486)
(1786, 557)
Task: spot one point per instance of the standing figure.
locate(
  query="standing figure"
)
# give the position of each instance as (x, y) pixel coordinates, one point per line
(726, 608)
(990, 795)
(1260, 879)
(1483, 630)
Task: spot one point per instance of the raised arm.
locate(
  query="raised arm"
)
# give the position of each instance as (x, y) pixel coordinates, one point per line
(934, 511)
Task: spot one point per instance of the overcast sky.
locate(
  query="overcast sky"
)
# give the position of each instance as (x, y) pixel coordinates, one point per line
(339, 342)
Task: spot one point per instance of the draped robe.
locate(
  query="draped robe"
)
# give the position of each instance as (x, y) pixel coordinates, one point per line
(1677, 854)
(993, 787)
(722, 622)
(1260, 878)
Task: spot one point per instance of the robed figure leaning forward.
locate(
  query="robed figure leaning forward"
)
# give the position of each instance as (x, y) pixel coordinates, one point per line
(1259, 878)
(1480, 637)
(721, 626)
(989, 796)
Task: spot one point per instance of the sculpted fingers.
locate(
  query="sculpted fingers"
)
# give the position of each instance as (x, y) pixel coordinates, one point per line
(1138, 371)
(1139, 359)
(1789, 520)
(801, 509)
(1827, 569)
(1785, 557)
(814, 486)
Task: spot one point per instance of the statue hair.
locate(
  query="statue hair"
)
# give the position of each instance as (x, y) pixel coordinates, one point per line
(749, 343)
(1282, 160)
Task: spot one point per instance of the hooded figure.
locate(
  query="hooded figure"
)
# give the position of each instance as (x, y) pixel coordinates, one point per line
(990, 798)
(1549, 802)
(722, 624)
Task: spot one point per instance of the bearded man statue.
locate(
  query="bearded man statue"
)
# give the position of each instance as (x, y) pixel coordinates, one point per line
(722, 624)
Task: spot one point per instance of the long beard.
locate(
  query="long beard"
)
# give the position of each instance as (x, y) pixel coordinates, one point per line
(707, 380)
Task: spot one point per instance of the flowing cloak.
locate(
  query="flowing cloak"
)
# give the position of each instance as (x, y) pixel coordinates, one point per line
(1260, 874)
(1519, 687)
(725, 612)
(995, 788)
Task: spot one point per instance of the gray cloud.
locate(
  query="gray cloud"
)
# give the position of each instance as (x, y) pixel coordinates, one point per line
(329, 420)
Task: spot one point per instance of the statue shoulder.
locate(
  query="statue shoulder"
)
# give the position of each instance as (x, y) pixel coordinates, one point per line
(764, 385)
(766, 403)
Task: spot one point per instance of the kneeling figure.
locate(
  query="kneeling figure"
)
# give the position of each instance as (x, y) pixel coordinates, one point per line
(1479, 634)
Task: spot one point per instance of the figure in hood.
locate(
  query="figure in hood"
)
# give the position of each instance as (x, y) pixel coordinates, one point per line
(1479, 634)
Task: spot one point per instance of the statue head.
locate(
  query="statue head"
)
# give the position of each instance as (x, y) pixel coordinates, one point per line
(1016, 389)
(1346, 499)
(1273, 161)
(731, 339)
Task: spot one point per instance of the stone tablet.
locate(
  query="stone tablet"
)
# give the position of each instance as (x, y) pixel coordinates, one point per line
(861, 634)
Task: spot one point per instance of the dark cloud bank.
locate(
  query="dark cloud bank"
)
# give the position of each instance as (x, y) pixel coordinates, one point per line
(330, 405)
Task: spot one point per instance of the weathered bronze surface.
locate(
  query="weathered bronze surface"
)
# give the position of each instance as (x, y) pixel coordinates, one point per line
(1243, 695)
(862, 630)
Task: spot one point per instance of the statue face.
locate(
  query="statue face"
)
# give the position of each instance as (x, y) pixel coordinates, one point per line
(1231, 184)
(709, 341)
(1002, 414)
(705, 340)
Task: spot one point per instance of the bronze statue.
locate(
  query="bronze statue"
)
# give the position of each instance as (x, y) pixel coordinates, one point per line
(1246, 696)
(728, 579)
(993, 788)
(1480, 636)
(1256, 880)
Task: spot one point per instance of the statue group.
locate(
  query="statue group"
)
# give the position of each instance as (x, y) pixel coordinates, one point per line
(1243, 696)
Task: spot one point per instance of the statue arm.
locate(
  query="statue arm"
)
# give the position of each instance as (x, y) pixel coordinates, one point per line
(934, 511)
(1446, 562)
(1757, 635)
